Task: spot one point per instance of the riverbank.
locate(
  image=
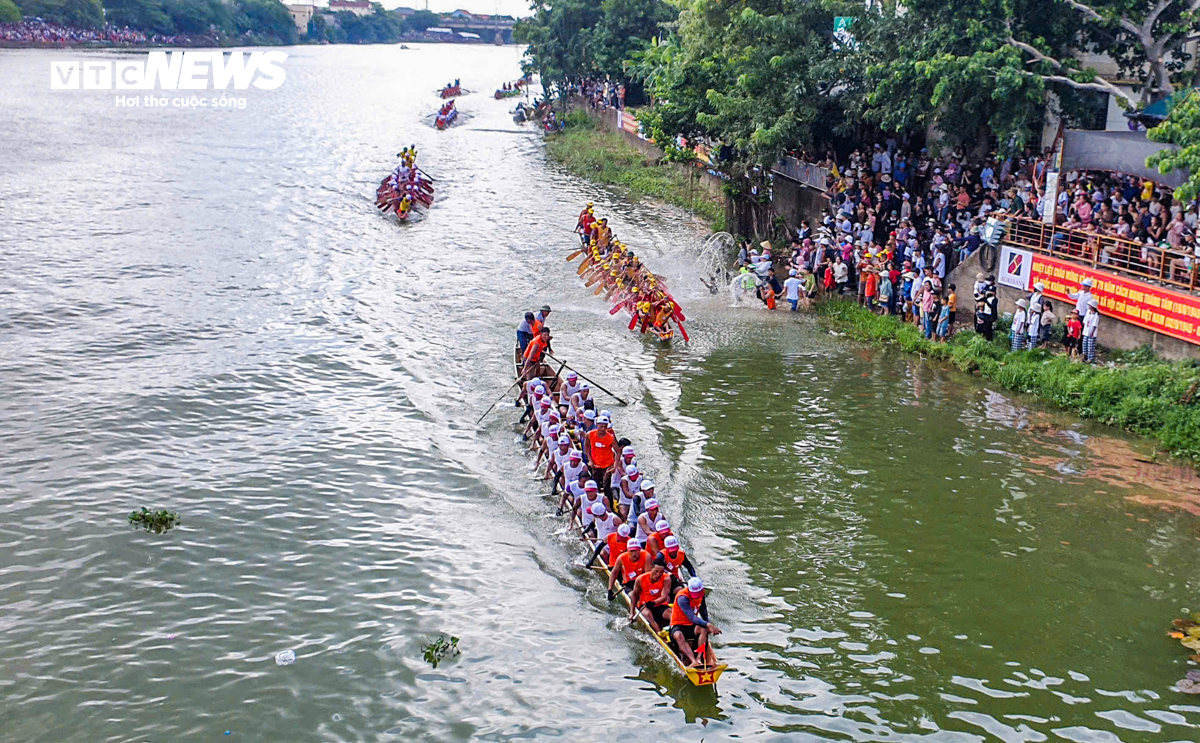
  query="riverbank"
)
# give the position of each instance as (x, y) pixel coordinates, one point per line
(1152, 398)
(603, 156)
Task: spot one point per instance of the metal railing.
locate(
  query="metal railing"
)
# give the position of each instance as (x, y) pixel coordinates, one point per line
(1167, 266)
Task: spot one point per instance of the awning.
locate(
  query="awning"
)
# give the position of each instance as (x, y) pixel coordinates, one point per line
(1120, 152)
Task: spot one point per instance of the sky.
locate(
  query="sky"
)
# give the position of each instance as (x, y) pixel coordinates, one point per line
(515, 8)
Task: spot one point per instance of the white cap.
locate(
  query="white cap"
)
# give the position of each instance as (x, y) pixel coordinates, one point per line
(1039, 286)
(572, 375)
(671, 542)
(564, 440)
(606, 414)
(589, 414)
(651, 503)
(553, 431)
(623, 530)
(631, 471)
(627, 450)
(545, 401)
(647, 485)
(1094, 303)
(695, 585)
(1021, 303)
(597, 509)
(591, 485)
(602, 419)
(662, 525)
(584, 386)
(636, 543)
(576, 454)
(792, 272)
(1087, 282)
(540, 389)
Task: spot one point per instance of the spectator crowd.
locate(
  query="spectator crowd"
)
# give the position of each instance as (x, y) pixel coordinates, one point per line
(899, 221)
(41, 33)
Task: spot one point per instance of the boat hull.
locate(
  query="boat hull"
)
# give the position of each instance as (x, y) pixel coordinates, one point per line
(702, 676)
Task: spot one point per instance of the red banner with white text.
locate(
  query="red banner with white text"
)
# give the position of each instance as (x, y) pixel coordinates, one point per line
(1132, 301)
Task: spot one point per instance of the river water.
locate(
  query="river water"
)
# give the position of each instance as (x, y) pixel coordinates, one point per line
(203, 311)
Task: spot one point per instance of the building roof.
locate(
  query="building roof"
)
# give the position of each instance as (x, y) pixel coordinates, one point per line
(349, 3)
(403, 11)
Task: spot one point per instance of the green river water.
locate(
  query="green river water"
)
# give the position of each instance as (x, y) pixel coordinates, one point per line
(203, 311)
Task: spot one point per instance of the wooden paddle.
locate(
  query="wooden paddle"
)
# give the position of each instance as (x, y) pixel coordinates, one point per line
(598, 290)
(595, 384)
(493, 405)
(574, 255)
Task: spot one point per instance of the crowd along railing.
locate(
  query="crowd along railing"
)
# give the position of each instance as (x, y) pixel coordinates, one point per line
(1097, 249)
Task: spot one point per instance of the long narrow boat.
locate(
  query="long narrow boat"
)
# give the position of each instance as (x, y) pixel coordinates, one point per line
(705, 675)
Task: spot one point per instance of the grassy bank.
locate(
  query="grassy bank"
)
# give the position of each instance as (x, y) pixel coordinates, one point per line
(602, 155)
(1153, 398)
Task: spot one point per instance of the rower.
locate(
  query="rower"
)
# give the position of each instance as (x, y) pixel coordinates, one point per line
(676, 558)
(611, 548)
(656, 541)
(535, 353)
(631, 485)
(649, 517)
(689, 623)
(573, 493)
(571, 386)
(543, 314)
(651, 596)
(525, 332)
(598, 452)
(627, 457)
(630, 565)
(604, 521)
(558, 459)
(592, 497)
(589, 424)
(572, 469)
(580, 396)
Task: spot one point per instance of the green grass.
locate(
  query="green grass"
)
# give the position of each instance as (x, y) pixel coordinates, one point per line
(603, 156)
(1144, 395)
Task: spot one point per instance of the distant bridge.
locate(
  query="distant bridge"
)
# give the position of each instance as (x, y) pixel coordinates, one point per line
(489, 29)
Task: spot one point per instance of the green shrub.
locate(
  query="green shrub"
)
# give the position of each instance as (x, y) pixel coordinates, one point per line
(1143, 394)
(590, 151)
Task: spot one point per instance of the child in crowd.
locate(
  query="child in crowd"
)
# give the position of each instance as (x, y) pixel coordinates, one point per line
(1048, 320)
(943, 326)
(952, 303)
(1073, 334)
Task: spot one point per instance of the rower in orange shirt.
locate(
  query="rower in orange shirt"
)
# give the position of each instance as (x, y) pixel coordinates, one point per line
(630, 565)
(651, 596)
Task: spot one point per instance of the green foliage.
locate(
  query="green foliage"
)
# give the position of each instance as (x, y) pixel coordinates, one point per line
(9, 12)
(1182, 128)
(155, 521)
(435, 651)
(265, 18)
(80, 13)
(603, 156)
(422, 20)
(1144, 395)
(569, 39)
(377, 27)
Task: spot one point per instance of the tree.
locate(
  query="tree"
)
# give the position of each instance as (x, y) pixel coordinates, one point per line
(1182, 128)
(624, 27)
(267, 18)
(1144, 37)
(148, 15)
(79, 13)
(9, 13)
(422, 20)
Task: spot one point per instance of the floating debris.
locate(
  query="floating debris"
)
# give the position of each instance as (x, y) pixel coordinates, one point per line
(435, 651)
(155, 521)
